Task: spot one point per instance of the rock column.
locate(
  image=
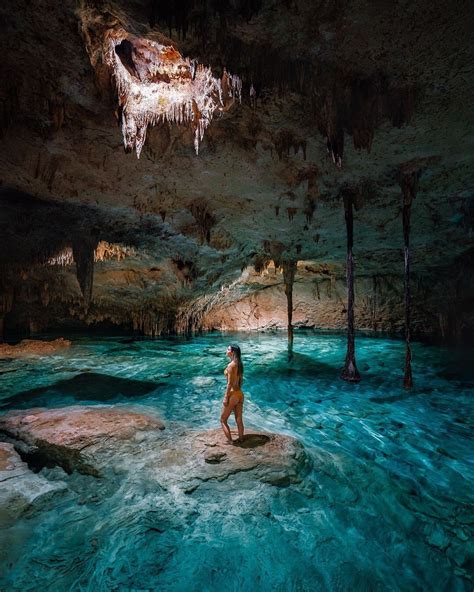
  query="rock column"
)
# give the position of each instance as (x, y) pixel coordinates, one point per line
(289, 270)
(409, 186)
(350, 372)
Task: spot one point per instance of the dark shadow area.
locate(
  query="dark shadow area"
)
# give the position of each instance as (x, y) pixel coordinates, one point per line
(253, 441)
(89, 386)
(300, 364)
(37, 460)
(402, 396)
(34, 229)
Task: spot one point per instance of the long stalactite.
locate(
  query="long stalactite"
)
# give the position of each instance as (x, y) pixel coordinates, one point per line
(409, 185)
(289, 271)
(83, 251)
(350, 372)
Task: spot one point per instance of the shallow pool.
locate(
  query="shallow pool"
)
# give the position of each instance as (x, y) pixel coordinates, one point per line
(388, 504)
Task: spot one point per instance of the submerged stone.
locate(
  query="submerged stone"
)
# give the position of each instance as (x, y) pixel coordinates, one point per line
(87, 386)
(20, 488)
(102, 441)
(198, 457)
(76, 438)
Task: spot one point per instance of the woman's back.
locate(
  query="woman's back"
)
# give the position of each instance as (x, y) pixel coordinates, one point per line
(233, 377)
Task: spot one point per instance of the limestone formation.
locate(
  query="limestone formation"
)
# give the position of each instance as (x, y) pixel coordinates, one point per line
(76, 438)
(350, 371)
(409, 186)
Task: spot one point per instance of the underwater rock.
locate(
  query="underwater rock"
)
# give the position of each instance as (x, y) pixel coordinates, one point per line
(83, 438)
(20, 487)
(33, 347)
(198, 457)
(99, 441)
(87, 386)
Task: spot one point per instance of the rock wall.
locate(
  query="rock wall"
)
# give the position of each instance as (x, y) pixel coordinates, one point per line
(141, 301)
(319, 304)
(441, 310)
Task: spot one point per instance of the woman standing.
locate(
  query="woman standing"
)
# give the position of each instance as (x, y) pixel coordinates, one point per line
(234, 397)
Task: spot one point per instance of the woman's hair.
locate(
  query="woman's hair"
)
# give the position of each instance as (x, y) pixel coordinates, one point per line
(236, 356)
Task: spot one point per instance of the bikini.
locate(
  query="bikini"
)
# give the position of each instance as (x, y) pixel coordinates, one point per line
(235, 393)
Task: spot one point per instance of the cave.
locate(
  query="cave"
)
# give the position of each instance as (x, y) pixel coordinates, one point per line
(279, 190)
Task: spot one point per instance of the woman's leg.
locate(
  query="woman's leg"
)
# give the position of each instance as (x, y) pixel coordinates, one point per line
(239, 412)
(226, 411)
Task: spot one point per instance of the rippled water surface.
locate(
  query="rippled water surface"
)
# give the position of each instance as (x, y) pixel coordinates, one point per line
(388, 504)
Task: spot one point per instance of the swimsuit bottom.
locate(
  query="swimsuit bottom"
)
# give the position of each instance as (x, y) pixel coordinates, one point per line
(238, 394)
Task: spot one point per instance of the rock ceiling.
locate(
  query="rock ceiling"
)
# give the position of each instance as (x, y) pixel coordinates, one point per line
(334, 95)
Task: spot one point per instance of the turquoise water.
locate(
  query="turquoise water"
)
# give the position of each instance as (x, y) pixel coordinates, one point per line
(387, 506)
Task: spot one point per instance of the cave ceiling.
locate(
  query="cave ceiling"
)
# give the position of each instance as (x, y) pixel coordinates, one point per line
(334, 95)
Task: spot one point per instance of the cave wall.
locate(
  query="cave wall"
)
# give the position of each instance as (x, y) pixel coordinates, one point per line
(129, 297)
(440, 311)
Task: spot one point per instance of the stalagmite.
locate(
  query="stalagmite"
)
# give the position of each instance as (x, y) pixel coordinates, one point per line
(83, 250)
(409, 186)
(350, 372)
(289, 270)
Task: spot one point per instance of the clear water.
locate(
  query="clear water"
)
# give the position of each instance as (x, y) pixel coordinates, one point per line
(388, 505)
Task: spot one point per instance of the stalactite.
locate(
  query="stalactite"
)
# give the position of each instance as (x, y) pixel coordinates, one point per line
(106, 251)
(155, 83)
(289, 271)
(274, 250)
(409, 185)
(253, 96)
(152, 323)
(350, 371)
(61, 259)
(200, 210)
(56, 110)
(357, 106)
(260, 262)
(400, 104)
(186, 270)
(83, 251)
(285, 140)
(189, 317)
(309, 208)
(374, 303)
